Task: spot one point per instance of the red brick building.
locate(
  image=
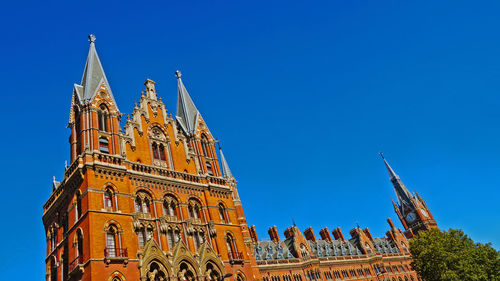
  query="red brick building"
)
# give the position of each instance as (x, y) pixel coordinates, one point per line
(155, 201)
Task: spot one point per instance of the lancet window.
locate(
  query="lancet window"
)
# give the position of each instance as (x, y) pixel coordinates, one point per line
(160, 148)
(109, 200)
(231, 247)
(102, 116)
(142, 202)
(173, 236)
(144, 233)
(79, 243)
(78, 204)
(223, 214)
(112, 243)
(199, 238)
(194, 209)
(170, 206)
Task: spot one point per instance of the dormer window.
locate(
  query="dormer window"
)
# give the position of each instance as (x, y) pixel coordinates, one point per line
(103, 145)
(102, 118)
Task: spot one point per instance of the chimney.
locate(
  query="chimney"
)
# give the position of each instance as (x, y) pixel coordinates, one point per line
(337, 234)
(253, 234)
(289, 232)
(325, 234)
(368, 233)
(273, 234)
(391, 224)
(309, 234)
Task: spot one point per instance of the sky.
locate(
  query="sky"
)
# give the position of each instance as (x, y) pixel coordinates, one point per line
(302, 94)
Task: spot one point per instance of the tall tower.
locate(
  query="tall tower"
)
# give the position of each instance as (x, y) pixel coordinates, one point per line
(411, 209)
(147, 202)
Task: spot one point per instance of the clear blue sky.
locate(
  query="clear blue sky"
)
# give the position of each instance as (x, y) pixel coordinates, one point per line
(303, 96)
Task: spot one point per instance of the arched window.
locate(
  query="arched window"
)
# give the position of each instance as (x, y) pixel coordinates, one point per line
(199, 238)
(161, 151)
(156, 152)
(102, 116)
(142, 202)
(78, 204)
(194, 209)
(79, 243)
(108, 199)
(53, 269)
(111, 242)
(143, 235)
(77, 130)
(170, 206)
(223, 214)
(231, 247)
(103, 145)
(205, 146)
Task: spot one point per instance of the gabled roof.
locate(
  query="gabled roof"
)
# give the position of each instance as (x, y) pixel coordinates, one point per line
(93, 76)
(187, 114)
(225, 167)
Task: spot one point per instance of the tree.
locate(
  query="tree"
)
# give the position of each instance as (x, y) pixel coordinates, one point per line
(452, 256)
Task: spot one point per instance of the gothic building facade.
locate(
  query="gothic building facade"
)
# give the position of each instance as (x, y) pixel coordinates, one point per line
(155, 201)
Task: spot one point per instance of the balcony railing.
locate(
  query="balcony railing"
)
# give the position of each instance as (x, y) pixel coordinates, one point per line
(76, 263)
(115, 253)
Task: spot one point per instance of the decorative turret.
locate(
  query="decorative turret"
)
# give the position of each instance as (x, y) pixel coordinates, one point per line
(225, 167)
(94, 116)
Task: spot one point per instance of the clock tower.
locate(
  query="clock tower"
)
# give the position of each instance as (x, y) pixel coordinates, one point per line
(410, 208)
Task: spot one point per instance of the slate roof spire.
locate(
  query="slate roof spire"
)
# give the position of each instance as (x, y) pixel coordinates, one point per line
(93, 76)
(404, 196)
(187, 115)
(225, 167)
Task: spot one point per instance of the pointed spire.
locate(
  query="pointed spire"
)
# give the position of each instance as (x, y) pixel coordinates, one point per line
(187, 114)
(225, 167)
(93, 75)
(392, 174)
(401, 191)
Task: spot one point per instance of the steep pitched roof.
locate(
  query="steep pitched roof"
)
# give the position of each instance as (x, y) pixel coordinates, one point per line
(225, 167)
(93, 76)
(187, 115)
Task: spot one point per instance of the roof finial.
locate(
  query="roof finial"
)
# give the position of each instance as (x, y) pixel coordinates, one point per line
(178, 74)
(91, 38)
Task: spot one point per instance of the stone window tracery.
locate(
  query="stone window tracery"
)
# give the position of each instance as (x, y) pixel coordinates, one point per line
(156, 272)
(194, 209)
(109, 200)
(170, 206)
(102, 118)
(111, 241)
(160, 148)
(142, 202)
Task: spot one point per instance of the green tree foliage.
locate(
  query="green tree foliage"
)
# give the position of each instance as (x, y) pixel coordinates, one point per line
(452, 256)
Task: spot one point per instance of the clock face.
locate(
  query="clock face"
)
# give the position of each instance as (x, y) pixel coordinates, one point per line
(424, 213)
(411, 217)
